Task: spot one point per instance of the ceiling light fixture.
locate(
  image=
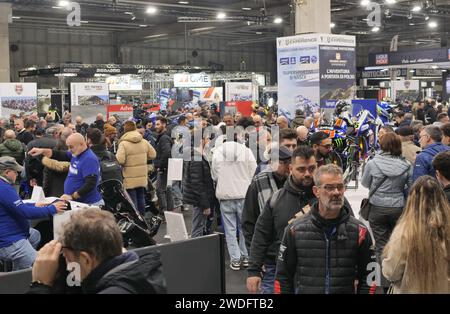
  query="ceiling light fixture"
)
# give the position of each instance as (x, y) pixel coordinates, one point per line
(278, 20)
(16, 17)
(434, 67)
(63, 3)
(409, 16)
(183, 2)
(391, 1)
(247, 9)
(417, 8)
(432, 24)
(221, 15)
(143, 25)
(427, 17)
(332, 25)
(151, 10)
(375, 29)
(365, 3)
(259, 33)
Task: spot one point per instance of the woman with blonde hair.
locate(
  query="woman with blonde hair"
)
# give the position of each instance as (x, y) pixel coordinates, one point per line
(417, 257)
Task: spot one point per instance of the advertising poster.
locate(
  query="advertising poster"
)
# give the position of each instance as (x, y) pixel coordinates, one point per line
(17, 97)
(305, 63)
(238, 91)
(44, 100)
(207, 96)
(406, 90)
(192, 80)
(298, 76)
(89, 99)
(359, 105)
(337, 73)
(124, 83)
(123, 111)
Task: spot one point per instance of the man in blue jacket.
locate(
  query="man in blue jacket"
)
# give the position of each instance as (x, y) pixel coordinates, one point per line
(430, 141)
(17, 240)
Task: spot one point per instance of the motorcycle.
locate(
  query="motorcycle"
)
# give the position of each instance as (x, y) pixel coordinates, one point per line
(135, 229)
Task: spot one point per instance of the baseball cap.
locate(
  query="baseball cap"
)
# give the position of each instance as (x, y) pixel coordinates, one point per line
(7, 162)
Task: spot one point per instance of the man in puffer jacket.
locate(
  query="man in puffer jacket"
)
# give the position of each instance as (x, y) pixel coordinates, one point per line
(327, 250)
(12, 147)
(133, 154)
(233, 166)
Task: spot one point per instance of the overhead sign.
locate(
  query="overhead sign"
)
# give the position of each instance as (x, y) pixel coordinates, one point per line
(192, 80)
(124, 83)
(409, 57)
(237, 91)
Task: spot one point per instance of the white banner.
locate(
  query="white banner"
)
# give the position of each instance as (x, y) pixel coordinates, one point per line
(87, 94)
(192, 80)
(236, 91)
(17, 97)
(124, 83)
(406, 90)
(89, 99)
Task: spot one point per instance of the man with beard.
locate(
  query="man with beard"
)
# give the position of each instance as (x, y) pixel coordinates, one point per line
(322, 146)
(262, 188)
(327, 250)
(284, 204)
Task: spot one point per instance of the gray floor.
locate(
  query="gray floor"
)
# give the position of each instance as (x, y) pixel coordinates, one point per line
(235, 280)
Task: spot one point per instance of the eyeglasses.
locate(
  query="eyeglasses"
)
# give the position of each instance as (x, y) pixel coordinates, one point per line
(310, 169)
(331, 187)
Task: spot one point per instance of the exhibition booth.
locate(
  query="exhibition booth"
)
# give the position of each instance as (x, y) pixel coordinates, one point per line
(88, 89)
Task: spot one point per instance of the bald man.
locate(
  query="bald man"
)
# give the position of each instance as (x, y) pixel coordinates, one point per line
(80, 126)
(84, 172)
(258, 121)
(302, 136)
(282, 122)
(309, 123)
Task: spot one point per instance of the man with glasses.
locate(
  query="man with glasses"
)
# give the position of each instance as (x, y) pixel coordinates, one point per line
(295, 197)
(327, 250)
(322, 145)
(18, 242)
(430, 140)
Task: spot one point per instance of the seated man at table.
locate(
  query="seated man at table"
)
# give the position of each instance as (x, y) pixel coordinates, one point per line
(84, 172)
(18, 241)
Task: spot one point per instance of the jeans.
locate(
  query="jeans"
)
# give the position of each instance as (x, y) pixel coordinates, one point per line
(23, 252)
(177, 194)
(231, 211)
(382, 221)
(268, 279)
(137, 195)
(201, 224)
(164, 193)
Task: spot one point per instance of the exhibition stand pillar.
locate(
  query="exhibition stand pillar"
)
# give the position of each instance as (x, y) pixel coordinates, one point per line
(312, 16)
(5, 14)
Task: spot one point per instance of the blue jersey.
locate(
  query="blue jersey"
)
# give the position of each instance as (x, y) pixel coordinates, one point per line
(82, 166)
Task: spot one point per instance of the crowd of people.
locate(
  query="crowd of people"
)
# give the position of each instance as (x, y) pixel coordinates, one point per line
(271, 183)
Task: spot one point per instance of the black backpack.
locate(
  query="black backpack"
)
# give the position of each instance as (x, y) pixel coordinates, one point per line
(110, 169)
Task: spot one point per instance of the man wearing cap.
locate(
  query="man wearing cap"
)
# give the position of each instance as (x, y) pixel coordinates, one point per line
(291, 200)
(409, 149)
(18, 242)
(263, 185)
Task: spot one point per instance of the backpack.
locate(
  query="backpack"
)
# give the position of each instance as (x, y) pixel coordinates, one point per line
(110, 169)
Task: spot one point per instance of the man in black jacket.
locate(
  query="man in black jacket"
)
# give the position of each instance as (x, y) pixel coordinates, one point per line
(92, 241)
(281, 207)
(198, 188)
(24, 132)
(327, 250)
(261, 189)
(163, 153)
(441, 164)
(430, 112)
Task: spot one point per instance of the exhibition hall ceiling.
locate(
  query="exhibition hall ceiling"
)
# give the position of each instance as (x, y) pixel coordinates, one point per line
(133, 22)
